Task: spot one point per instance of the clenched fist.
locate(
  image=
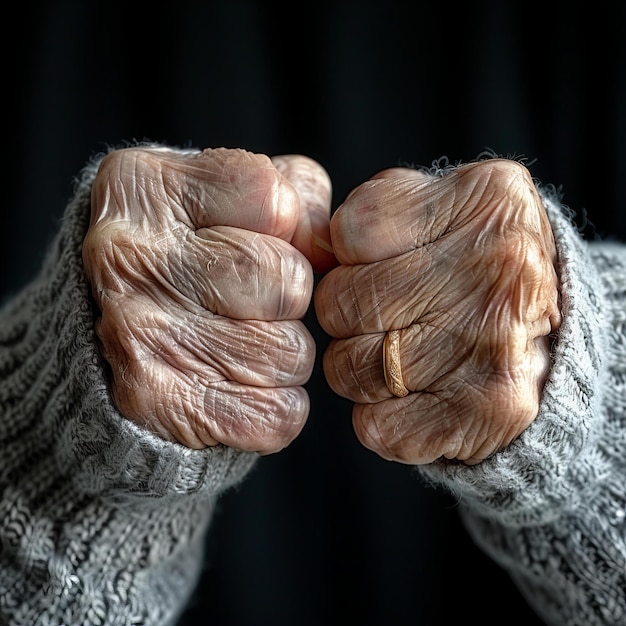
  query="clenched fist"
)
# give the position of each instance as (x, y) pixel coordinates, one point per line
(201, 265)
(463, 267)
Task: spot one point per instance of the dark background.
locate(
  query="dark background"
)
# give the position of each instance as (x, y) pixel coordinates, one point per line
(324, 531)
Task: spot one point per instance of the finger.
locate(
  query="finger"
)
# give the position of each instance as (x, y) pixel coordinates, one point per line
(262, 354)
(276, 354)
(253, 419)
(401, 429)
(225, 187)
(387, 216)
(353, 368)
(428, 355)
(409, 430)
(241, 274)
(361, 299)
(424, 427)
(313, 185)
(207, 347)
(391, 215)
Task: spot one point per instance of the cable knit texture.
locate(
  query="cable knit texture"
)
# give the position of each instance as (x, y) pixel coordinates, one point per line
(100, 522)
(551, 508)
(103, 523)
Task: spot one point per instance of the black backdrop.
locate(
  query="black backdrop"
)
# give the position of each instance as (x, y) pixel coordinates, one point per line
(325, 529)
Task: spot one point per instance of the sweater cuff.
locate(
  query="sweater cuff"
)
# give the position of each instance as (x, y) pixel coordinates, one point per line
(549, 466)
(59, 402)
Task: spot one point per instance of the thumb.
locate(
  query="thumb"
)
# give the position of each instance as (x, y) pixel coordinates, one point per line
(312, 234)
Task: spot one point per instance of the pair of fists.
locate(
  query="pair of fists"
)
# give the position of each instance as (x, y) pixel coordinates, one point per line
(201, 264)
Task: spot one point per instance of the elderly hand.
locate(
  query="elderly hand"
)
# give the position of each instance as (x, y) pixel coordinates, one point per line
(201, 266)
(463, 267)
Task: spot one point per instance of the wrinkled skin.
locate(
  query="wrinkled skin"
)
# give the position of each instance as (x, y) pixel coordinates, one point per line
(201, 265)
(464, 265)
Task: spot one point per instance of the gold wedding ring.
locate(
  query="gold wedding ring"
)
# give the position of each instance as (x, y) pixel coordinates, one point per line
(391, 364)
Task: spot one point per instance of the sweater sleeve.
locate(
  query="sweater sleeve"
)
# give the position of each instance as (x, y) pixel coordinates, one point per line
(101, 522)
(551, 508)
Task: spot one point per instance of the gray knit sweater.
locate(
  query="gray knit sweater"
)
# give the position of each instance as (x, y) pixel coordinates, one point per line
(103, 523)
